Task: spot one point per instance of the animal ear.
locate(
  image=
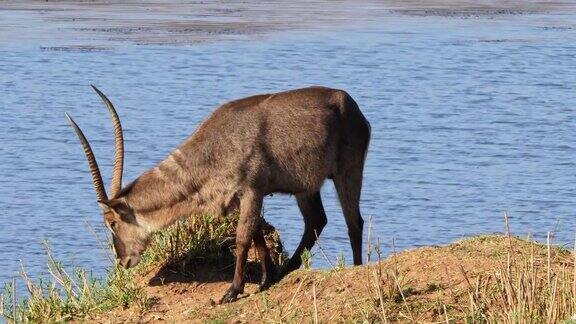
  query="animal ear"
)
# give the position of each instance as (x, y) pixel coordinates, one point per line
(105, 205)
(122, 209)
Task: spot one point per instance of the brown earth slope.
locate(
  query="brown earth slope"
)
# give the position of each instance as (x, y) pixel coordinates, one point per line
(487, 278)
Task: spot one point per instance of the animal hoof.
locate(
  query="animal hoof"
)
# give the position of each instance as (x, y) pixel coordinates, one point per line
(268, 279)
(282, 274)
(231, 295)
(265, 284)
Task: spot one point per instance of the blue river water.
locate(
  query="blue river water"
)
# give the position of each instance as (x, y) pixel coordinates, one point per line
(470, 118)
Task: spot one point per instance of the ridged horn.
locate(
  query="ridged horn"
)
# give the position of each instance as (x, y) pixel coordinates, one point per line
(118, 145)
(94, 170)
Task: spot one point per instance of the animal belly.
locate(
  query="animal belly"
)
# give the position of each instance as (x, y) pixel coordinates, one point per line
(302, 174)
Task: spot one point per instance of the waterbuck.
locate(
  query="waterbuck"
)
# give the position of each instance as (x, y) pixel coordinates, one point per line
(287, 142)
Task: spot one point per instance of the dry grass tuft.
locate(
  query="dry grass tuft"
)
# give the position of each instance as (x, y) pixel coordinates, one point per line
(65, 296)
(485, 279)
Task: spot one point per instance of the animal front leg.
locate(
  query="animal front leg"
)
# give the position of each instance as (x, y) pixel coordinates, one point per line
(248, 224)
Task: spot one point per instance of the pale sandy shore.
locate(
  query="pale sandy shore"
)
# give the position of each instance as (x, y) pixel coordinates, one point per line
(94, 24)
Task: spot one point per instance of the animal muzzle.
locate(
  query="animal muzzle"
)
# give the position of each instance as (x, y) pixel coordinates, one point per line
(129, 261)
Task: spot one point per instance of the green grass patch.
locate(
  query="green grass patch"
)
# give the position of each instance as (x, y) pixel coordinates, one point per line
(196, 239)
(63, 296)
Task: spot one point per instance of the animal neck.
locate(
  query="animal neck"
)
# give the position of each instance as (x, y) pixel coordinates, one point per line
(158, 219)
(166, 193)
(180, 186)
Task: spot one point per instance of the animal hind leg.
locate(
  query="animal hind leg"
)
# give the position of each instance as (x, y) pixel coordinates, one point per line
(348, 183)
(268, 268)
(314, 221)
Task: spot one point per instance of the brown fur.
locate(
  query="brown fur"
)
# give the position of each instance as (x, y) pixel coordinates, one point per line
(287, 142)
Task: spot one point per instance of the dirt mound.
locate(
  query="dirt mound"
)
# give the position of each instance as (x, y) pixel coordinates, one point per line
(473, 279)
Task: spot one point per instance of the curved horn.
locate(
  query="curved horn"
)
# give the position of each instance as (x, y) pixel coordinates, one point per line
(96, 176)
(118, 145)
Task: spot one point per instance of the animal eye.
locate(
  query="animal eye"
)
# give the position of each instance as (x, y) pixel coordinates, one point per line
(112, 225)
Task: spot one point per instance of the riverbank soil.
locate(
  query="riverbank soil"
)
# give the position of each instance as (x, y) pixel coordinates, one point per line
(487, 277)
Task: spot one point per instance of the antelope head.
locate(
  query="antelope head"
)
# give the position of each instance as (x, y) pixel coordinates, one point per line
(129, 238)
